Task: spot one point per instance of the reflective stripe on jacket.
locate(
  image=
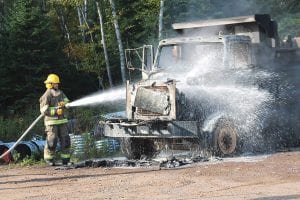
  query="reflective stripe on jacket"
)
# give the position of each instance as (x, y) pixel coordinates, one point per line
(55, 121)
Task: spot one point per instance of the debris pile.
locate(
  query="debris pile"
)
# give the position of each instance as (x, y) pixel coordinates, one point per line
(171, 162)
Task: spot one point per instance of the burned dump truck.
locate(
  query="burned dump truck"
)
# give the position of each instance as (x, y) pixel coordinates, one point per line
(221, 86)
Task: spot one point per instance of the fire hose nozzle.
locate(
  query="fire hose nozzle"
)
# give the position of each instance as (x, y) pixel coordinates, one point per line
(63, 105)
(67, 105)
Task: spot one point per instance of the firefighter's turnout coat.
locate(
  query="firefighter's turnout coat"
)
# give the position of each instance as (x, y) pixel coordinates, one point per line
(49, 103)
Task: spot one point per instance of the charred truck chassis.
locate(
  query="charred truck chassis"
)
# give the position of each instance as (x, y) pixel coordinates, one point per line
(151, 126)
(151, 113)
(154, 107)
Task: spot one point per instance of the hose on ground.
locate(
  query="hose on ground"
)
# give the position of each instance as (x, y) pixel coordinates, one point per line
(24, 134)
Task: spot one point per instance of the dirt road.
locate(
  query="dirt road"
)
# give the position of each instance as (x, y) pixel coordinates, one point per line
(265, 177)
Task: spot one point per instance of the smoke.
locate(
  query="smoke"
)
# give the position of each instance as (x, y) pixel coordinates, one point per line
(239, 8)
(222, 9)
(111, 95)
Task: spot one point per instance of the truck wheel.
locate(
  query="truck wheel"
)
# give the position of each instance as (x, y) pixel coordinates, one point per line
(224, 138)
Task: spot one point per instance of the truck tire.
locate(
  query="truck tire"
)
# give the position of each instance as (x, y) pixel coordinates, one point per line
(224, 138)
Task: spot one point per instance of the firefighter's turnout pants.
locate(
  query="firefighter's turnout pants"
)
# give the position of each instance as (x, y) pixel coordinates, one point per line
(55, 132)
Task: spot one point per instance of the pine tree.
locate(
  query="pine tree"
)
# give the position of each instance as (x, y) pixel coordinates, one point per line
(29, 53)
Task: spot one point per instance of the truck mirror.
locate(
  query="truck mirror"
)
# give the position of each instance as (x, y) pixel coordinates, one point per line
(147, 57)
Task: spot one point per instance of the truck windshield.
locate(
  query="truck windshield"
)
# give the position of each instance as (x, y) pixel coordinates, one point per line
(187, 55)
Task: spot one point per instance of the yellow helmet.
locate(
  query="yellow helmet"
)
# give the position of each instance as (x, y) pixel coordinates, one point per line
(52, 78)
(49, 85)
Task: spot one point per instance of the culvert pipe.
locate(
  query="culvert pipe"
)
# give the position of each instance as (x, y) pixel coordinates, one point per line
(40, 144)
(29, 148)
(7, 157)
(107, 145)
(77, 143)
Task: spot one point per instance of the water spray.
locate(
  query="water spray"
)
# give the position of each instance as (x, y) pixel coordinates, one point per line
(68, 105)
(110, 95)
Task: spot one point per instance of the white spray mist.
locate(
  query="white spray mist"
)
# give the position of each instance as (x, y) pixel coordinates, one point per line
(221, 90)
(110, 95)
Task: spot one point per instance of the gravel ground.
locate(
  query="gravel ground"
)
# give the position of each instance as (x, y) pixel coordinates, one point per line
(264, 177)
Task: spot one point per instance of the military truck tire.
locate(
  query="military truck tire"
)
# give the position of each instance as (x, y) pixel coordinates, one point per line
(224, 138)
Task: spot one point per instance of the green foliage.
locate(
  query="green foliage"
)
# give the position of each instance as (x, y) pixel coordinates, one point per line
(289, 25)
(30, 50)
(137, 19)
(90, 57)
(14, 125)
(86, 118)
(16, 156)
(285, 12)
(8, 128)
(90, 150)
(29, 161)
(67, 2)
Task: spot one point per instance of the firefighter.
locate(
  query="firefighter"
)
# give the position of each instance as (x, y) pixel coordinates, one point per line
(52, 105)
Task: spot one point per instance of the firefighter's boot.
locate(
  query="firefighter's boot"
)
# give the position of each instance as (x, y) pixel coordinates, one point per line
(50, 162)
(65, 158)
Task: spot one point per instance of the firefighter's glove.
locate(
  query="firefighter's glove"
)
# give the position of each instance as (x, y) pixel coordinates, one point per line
(61, 104)
(59, 111)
